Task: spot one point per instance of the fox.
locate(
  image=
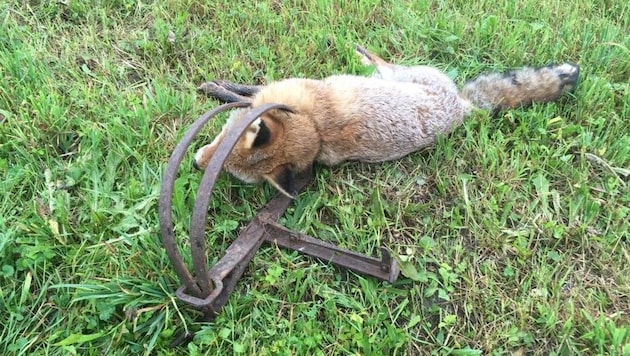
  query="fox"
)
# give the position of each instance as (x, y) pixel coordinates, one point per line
(394, 112)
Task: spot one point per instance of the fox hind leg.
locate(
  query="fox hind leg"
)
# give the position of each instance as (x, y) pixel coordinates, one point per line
(419, 74)
(369, 58)
(384, 69)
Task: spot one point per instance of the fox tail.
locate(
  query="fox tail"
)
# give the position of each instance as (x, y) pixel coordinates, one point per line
(521, 87)
(495, 91)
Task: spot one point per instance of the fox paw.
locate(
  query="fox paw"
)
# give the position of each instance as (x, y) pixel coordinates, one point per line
(219, 92)
(208, 88)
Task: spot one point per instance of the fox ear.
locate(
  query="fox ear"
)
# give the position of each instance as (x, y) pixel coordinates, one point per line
(283, 179)
(263, 131)
(263, 136)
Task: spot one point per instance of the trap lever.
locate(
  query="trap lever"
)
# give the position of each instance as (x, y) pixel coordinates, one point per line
(385, 269)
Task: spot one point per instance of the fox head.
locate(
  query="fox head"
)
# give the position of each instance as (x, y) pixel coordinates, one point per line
(275, 147)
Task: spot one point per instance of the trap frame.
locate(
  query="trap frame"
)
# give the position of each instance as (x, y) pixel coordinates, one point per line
(208, 289)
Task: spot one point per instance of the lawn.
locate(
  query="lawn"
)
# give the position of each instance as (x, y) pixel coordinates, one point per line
(516, 225)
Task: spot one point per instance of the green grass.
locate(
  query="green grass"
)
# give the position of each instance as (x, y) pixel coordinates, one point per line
(517, 226)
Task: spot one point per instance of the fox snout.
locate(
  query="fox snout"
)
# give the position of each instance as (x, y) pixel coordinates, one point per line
(264, 152)
(205, 153)
(200, 163)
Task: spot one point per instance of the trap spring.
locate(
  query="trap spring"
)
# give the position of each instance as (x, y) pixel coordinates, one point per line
(209, 289)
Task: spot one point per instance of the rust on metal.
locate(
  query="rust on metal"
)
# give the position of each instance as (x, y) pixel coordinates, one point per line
(209, 289)
(166, 196)
(385, 269)
(200, 210)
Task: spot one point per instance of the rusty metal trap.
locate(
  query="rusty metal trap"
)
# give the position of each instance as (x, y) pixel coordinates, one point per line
(208, 289)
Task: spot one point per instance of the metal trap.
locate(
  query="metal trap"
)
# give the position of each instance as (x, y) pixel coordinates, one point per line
(208, 288)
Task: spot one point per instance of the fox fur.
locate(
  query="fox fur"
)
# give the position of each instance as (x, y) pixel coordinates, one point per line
(396, 111)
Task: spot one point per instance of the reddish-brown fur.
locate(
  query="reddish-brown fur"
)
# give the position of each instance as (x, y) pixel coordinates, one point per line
(397, 111)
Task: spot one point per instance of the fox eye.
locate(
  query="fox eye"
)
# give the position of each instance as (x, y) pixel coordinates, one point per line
(263, 136)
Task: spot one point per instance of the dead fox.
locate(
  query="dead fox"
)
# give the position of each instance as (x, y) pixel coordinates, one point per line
(396, 111)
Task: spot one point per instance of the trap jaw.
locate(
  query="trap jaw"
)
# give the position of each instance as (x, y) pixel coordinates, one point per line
(209, 289)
